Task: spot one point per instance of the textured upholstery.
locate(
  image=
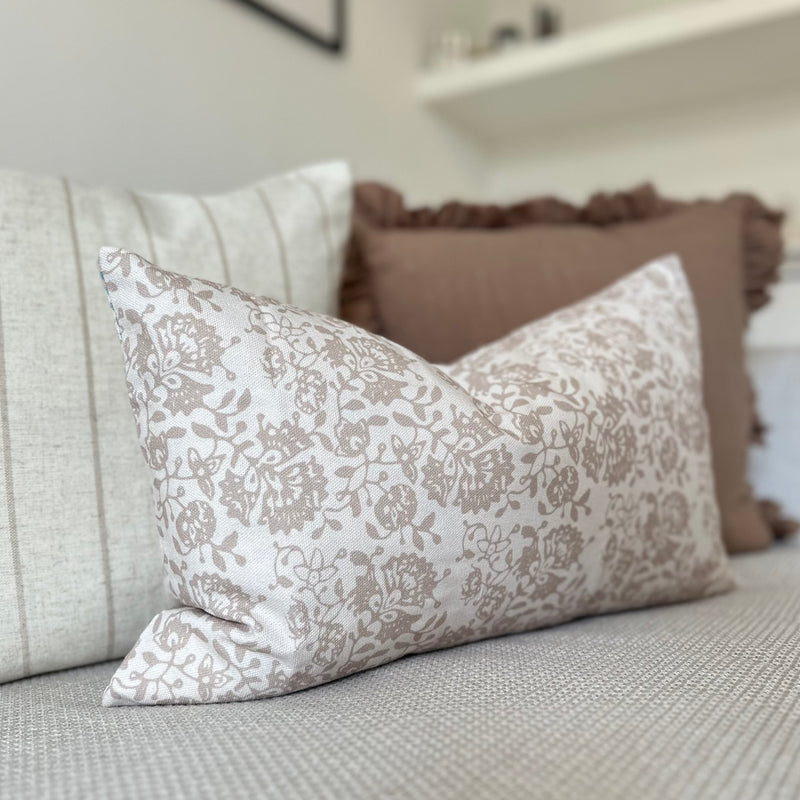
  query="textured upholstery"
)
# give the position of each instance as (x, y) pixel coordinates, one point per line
(694, 700)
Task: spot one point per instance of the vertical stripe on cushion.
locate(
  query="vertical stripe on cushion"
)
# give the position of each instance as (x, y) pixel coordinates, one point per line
(279, 239)
(223, 256)
(146, 225)
(12, 509)
(326, 226)
(92, 408)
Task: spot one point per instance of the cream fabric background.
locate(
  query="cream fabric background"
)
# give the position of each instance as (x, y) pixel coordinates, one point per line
(80, 569)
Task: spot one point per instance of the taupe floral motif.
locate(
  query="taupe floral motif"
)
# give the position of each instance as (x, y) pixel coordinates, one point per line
(293, 495)
(298, 620)
(274, 364)
(196, 524)
(186, 342)
(220, 597)
(174, 635)
(374, 358)
(329, 502)
(397, 508)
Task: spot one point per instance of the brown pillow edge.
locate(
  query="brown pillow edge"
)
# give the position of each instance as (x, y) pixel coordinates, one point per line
(380, 206)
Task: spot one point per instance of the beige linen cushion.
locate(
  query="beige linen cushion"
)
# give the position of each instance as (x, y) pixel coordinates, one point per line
(328, 502)
(80, 569)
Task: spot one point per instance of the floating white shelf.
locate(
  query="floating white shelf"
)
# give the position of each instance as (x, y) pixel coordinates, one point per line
(686, 54)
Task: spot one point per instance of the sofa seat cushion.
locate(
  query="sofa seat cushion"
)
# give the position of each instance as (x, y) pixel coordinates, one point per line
(692, 700)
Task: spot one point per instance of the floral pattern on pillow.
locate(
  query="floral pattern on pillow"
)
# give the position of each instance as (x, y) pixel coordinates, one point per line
(329, 502)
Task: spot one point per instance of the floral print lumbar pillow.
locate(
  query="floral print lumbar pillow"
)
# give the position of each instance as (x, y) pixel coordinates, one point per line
(328, 501)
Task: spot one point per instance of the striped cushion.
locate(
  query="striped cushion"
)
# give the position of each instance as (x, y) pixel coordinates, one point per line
(80, 570)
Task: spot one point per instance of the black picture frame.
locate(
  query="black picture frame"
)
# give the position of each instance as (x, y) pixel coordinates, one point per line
(334, 45)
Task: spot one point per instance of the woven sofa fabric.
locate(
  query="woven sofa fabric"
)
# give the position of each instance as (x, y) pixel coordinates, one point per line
(444, 281)
(328, 502)
(80, 568)
(690, 700)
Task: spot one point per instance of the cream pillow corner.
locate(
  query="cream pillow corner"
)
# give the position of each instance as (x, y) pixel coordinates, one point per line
(328, 502)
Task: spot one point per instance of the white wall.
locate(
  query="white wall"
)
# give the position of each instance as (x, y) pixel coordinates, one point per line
(748, 143)
(201, 95)
(205, 94)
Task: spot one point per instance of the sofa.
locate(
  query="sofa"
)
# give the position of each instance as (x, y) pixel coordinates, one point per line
(692, 700)
(696, 699)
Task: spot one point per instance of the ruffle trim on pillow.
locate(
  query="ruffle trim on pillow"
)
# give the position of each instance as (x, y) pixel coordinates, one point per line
(781, 525)
(380, 206)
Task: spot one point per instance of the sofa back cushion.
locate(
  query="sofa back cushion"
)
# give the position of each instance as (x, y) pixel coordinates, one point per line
(79, 559)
